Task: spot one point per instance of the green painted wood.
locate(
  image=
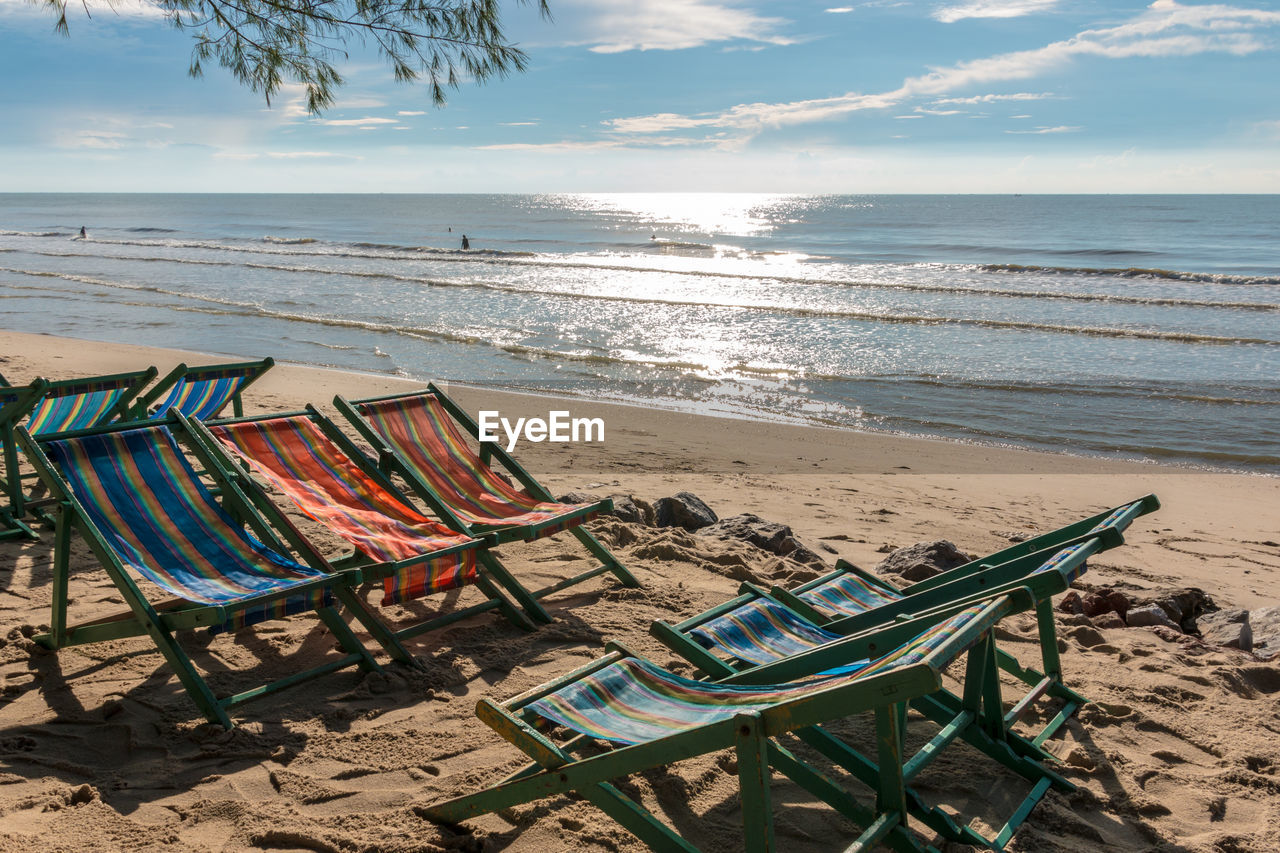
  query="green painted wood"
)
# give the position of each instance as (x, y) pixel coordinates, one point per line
(752, 751)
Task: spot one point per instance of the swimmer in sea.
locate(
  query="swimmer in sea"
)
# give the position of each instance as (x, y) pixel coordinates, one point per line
(83, 234)
(466, 244)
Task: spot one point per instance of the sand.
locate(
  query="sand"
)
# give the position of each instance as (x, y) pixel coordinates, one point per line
(101, 750)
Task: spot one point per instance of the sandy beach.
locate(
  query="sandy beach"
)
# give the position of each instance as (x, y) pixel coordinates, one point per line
(101, 750)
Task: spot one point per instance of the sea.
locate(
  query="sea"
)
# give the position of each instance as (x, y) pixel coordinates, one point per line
(1137, 327)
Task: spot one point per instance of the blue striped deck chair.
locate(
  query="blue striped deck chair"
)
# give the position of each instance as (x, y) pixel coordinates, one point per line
(201, 392)
(651, 718)
(46, 407)
(134, 496)
(759, 625)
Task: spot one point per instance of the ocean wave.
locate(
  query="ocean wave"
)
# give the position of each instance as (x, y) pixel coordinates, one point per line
(870, 316)
(152, 230)
(1117, 299)
(1134, 272)
(288, 241)
(35, 234)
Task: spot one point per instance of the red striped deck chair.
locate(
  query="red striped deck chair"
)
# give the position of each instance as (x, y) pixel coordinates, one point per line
(48, 407)
(134, 496)
(651, 717)
(304, 457)
(423, 437)
(201, 392)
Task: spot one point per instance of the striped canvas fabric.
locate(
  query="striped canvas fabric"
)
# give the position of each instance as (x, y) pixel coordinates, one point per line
(202, 397)
(146, 501)
(759, 632)
(634, 701)
(295, 456)
(78, 406)
(849, 595)
(427, 438)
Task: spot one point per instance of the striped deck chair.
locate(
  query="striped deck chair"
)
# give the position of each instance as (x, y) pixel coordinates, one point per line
(307, 459)
(653, 717)
(751, 628)
(47, 407)
(136, 499)
(201, 392)
(417, 436)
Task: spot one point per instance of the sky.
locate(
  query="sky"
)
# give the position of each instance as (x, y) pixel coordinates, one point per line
(680, 95)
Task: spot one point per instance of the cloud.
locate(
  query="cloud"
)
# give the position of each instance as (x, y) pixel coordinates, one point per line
(99, 139)
(517, 124)
(1164, 29)
(411, 112)
(362, 123)
(1062, 128)
(993, 9)
(991, 99)
(311, 155)
(839, 10)
(668, 25)
(86, 8)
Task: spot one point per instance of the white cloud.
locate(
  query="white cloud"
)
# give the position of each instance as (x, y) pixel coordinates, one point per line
(355, 122)
(411, 112)
(310, 155)
(622, 25)
(991, 99)
(993, 9)
(517, 124)
(86, 8)
(1062, 128)
(839, 10)
(99, 139)
(1164, 29)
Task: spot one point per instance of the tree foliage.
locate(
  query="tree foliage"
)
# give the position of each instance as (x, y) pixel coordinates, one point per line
(266, 43)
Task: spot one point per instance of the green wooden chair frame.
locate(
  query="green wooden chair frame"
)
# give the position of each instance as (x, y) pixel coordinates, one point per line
(755, 738)
(252, 371)
(389, 462)
(372, 571)
(17, 403)
(1017, 566)
(159, 620)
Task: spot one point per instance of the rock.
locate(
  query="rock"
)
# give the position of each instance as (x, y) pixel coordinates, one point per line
(627, 508)
(1228, 628)
(1110, 619)
(768, 535)
(923, 560)
(1148, 615)
(1184, 605)
(578, 498)
(1265, 623)
(1094, 604)
(1071, 603)
(684, 509)
(1119, 602)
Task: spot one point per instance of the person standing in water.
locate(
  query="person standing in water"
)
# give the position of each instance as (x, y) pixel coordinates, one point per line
(466, 244)
(83, 233)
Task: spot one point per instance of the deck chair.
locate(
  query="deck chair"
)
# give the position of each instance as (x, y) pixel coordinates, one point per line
(136, 499)
(201, 392)
(654, 717)
(47, 407)
(758, 626)
(305, 457)
(417, 437)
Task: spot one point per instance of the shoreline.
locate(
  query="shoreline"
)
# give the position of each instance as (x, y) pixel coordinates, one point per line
(935, 448)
